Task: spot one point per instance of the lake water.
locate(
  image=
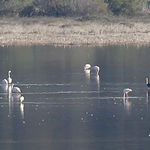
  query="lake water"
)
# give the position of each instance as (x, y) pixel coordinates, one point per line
(65, 109)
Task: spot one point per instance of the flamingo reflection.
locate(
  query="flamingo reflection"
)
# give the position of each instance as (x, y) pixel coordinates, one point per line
(96, 80)
(126, 102)
(87, 76)
(18, 100)
(147, 98)
(16, 104)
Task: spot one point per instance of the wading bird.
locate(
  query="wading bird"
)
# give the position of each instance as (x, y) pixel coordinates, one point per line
(94, 69)
(87, 68)
(126, 91)
(4, 85)
(21, 99)
(16, 90)
(147, 83)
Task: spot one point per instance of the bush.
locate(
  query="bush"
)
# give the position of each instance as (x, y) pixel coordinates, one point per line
(28, 11)
(125, 7)
(13, 7)
(70, 8)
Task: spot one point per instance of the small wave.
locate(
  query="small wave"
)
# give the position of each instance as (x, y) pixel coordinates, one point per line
(62, 92)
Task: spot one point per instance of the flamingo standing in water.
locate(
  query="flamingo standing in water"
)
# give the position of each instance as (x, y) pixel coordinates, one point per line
(147, 83)
(8, 81)
(4, 82)
(127, 103)
(16, 90)
(87, 68)
(21, 99)
(7, 84)
(92, 74)
(94, 69)
(4, 85)
(17, 94)
(126, 91)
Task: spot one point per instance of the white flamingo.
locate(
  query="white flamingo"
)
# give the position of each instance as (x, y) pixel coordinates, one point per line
(94, 69)
(4, 82)
(4, 85)
(17, 97)
(126, 91)
(9, 77)
(21, 99)
(8, 81)
(87, 68)
(147, 83)
(16, 90)
(17, 94)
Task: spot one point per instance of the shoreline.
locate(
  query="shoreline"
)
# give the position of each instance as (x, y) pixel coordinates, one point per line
(70, 32)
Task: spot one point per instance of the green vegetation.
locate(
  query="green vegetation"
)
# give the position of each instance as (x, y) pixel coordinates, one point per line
(126, 7)
(71, 8)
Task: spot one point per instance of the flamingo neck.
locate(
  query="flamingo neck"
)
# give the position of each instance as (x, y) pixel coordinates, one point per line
(9, 74)
(146, 81)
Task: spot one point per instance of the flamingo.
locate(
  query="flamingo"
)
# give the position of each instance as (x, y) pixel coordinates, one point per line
(87, 68)
(21, 98)
(126, 91)
(4, 82)
(94, 69)
(17, 97)
(4, 85)
(147, 83)
(16, 90)
(7, 83)
(17, 94)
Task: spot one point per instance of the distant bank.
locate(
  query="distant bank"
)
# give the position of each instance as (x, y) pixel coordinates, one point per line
(71, 32)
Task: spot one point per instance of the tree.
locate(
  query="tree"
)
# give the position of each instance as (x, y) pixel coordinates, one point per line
(125, 7)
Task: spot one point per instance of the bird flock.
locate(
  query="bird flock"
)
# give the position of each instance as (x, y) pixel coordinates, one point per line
(95, 70)
(8, 86)
(88, 69)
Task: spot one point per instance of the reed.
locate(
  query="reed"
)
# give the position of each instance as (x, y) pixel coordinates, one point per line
(71, 32)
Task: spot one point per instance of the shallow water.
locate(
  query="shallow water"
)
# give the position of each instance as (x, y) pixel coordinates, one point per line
(66, 109)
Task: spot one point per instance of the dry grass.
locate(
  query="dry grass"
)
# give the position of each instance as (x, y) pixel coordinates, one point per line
(70, 32)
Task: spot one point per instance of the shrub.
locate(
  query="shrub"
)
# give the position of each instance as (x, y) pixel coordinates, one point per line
(125, 7)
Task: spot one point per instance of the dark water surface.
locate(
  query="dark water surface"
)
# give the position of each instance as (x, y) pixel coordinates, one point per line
(66, 110)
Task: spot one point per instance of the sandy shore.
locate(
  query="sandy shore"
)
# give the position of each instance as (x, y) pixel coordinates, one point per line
(73, 33)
